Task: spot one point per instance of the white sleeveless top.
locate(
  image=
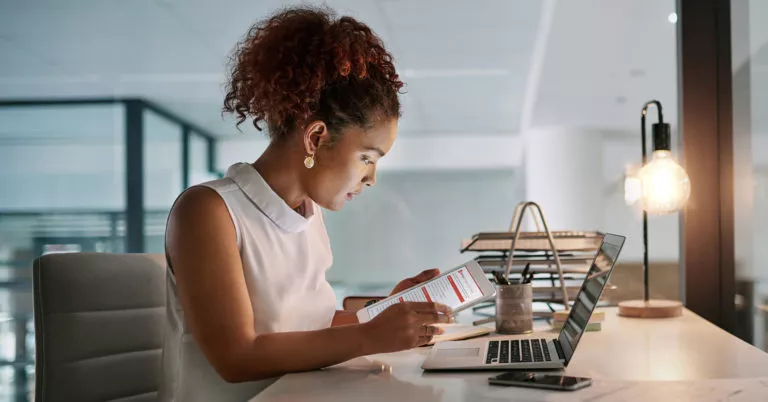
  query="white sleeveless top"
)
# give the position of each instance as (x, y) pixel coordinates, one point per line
(285, 257)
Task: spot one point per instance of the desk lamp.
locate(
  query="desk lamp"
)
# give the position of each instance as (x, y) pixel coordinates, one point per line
(665, 189)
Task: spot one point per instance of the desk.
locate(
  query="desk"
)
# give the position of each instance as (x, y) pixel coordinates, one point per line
(682, 357)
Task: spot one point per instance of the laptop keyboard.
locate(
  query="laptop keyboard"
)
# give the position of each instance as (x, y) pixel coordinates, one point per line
(546, 350)
(517, 351)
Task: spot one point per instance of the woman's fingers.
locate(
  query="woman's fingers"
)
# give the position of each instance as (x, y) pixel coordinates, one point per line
(426, 307)
(431, 330)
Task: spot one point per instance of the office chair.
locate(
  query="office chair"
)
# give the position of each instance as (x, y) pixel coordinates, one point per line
(99, 321)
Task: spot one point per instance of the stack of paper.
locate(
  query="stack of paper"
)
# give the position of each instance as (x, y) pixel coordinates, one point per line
(595, 322)
(532, 241)
(455, 332)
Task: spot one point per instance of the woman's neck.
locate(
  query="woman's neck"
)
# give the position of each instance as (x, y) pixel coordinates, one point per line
(281, 172)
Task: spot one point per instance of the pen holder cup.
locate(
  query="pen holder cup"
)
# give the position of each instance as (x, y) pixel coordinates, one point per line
(514, 309)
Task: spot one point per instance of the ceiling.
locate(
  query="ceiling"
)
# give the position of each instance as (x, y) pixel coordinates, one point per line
(481, 67)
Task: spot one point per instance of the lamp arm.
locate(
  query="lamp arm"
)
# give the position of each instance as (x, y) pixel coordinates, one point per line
(642, 122)
(645, 213)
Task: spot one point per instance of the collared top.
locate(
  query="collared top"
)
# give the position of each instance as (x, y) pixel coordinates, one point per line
(284, 256)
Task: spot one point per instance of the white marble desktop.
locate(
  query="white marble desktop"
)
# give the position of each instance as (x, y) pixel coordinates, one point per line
(684, 358)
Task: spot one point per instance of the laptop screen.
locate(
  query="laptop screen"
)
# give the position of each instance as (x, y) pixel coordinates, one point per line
(590, 293)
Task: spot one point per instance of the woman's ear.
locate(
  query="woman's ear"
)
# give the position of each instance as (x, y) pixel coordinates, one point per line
(315, 135)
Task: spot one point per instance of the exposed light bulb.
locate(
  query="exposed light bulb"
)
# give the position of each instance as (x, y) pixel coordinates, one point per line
(665, 184)
(632, 189)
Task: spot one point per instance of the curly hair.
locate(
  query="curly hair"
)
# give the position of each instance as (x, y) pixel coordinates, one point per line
(304, 64)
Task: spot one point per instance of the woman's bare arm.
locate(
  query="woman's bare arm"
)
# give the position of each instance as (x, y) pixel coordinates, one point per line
(344, 317)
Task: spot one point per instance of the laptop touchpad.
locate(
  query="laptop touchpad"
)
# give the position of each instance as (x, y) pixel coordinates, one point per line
(458, 352)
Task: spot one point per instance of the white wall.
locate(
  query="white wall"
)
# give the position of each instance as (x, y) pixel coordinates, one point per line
(470, 151)
(415, 220)
(430, 193)
(421, 207)
(563, 174)
(577, 176)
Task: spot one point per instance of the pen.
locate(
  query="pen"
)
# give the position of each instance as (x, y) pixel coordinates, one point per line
(524, 275)
(530, 278)
(484, 321)
(500, 279)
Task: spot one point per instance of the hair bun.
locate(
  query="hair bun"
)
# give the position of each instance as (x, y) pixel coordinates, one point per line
(281, 69)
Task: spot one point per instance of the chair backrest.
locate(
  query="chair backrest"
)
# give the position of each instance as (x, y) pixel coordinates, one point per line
(99, 322)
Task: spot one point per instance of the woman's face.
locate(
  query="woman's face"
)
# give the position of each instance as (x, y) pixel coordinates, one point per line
(342, 171)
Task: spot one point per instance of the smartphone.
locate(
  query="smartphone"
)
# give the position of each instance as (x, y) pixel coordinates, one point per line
(557, 382)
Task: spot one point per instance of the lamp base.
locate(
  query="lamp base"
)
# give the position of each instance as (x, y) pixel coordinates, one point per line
(650, 308)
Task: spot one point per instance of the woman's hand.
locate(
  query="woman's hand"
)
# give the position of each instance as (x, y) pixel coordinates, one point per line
(404, 326)
(408, 283)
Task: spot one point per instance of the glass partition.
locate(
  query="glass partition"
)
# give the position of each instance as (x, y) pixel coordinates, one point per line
(64, 173)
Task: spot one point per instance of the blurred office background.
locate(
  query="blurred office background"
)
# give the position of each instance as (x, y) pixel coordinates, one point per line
(109, 109)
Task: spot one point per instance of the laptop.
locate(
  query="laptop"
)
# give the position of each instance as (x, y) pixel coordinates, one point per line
(532, 352)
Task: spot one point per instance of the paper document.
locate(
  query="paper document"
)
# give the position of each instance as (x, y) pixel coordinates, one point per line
(455, 332)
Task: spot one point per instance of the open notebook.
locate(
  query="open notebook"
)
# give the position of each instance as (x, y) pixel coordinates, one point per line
(455, 332)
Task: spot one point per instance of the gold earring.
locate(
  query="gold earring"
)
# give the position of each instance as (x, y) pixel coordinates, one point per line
(309, 161)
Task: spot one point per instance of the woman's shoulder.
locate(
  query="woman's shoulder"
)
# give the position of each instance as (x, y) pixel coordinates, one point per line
(198, 202)
(210, 194)
(222, 185)
(199, 209)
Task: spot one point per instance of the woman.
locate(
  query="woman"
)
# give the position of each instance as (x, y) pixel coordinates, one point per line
(247, 294)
